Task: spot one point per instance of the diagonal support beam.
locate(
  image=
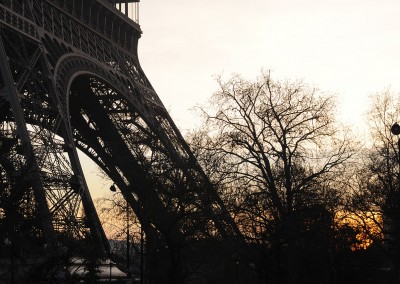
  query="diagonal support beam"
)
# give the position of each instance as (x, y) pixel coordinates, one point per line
(39, 191)
(27, 72)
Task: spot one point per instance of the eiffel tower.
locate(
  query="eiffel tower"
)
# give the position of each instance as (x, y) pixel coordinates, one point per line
(71, 79)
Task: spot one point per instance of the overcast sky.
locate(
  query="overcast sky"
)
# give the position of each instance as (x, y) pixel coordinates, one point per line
(346, 47)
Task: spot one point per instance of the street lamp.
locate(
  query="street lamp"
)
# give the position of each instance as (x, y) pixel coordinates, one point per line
(236, 259)
(8, 244)
(141, 255)
(114, 189)
(395, 129)
(110, 269)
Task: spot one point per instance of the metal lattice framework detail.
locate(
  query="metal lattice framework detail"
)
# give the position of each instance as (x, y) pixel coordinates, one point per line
(71, 79)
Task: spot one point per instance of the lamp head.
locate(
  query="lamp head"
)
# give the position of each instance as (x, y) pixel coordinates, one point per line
(395, 129)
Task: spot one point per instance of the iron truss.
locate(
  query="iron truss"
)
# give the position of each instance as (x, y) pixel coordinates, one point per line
(71, 79)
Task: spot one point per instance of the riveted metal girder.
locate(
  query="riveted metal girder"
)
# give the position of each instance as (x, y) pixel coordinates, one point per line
(71, 79)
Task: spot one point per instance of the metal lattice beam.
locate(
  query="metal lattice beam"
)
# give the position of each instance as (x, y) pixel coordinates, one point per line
(71, 78)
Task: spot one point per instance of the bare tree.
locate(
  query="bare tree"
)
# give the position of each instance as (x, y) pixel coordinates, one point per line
(376, 197)
(123, 230)
(275, 151)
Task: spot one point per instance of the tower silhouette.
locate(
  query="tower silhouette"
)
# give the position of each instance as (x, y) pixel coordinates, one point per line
(71, 79)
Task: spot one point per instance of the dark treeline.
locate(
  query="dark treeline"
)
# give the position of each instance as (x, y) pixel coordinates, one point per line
(320, 204)
(315, 202)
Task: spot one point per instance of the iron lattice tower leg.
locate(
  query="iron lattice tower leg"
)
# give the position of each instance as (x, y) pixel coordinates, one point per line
(60, 213)
(72, 80)
(29, 171)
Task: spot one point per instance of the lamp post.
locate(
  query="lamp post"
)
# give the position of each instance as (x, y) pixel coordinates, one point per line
(395, 129)
(110, 269)
(127, 238)
(7, 242)
(141, 255)
(114, 189)
(236, 259)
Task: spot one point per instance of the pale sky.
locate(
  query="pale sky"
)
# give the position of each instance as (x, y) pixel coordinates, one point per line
(346, 47)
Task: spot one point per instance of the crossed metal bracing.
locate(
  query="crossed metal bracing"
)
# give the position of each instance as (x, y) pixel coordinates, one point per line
(43, 191)
(70, 78)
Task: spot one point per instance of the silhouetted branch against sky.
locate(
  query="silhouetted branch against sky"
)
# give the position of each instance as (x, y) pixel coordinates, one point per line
(345, 47)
